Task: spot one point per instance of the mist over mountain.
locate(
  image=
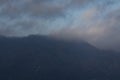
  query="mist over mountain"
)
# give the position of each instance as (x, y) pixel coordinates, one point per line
(70, 39)
(45, 58)
(96, 21)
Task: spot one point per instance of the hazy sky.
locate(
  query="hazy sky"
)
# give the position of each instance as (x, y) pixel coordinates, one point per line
(96, 21)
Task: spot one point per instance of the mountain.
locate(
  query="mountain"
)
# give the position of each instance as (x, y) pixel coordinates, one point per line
(45, 58)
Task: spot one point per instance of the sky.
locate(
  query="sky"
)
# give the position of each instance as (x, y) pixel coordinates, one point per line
(96, 21)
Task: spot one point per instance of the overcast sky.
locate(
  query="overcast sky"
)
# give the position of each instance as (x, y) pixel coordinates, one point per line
(96, 21)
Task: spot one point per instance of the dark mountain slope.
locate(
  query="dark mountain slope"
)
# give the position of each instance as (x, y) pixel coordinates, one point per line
(43, 58)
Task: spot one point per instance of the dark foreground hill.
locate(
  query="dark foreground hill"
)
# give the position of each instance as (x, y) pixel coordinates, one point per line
(42, 58)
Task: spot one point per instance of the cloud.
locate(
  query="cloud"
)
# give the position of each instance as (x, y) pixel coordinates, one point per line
(96, 21)
(32, 7)
(27, 17)
(96, 24)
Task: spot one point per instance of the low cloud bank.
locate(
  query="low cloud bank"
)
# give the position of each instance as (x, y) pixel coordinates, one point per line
(96, 21)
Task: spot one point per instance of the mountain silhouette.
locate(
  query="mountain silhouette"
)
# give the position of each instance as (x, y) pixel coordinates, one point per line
(45, 58)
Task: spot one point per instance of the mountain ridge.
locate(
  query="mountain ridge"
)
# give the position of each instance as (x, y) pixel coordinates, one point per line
(44, 58)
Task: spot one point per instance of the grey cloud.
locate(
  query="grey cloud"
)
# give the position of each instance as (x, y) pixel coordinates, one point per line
(80, 2)
(38, 8)
(96, 21)
(33, 7)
